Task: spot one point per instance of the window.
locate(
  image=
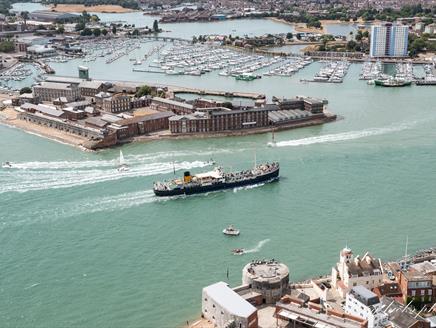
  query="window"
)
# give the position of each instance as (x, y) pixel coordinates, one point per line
(413, 292)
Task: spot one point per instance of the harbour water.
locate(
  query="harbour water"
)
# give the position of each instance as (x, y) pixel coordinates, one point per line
(84, 245)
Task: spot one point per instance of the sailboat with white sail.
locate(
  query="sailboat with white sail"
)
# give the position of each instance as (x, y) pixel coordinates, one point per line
(122, 166)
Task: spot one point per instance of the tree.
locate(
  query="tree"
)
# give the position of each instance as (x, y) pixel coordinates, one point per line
(60, 29)
(86, 32)
(135, 32)
(96, 32)
(80, 26)
(114, 29)
(289, 36)
(104, 32)
(7, 46)
(351, 45)
(227, 104)
(25, 90)
(143, 91)
(155, 26)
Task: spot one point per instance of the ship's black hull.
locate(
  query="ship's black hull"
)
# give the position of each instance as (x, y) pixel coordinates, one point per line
(191, 190)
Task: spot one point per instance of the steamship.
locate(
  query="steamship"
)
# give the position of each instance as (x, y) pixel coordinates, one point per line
(217, 180)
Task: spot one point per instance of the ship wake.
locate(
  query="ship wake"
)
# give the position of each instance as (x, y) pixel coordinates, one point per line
(258, 247)
(351, 135)
(23, 181)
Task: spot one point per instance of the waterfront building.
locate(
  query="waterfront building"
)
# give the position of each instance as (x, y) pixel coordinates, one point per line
(430, 29)
(47, 91)
(53, 118)
(116, 103)
(90, 88)
(365, 304)
(300, 313)
(225, 308)
(389, 40)
(52, 16)
(176, 107)
(140, 125)
(402, 316)
(40, 51)
(219, 120)
(418, 283)
(268, 278)
(355, 271)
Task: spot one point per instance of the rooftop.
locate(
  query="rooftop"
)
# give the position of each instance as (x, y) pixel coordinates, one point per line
(54, 85)
(222, 294)
(144, 118)
(173, 102)
(266, 270)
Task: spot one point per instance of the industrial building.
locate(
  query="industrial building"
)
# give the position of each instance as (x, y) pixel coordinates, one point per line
(225, 308)
(389, 40)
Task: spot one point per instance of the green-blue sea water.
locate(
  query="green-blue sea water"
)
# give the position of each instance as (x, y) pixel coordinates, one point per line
(86, 246)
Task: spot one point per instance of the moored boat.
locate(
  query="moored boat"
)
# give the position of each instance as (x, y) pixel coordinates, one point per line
(217, 180)
(392, 82)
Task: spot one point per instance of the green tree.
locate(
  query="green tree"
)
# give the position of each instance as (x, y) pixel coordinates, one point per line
(155, 26)
(96, 32)
(143, 91)
(7, 46)
(289, 36)
(61, 29)
(86, 32)
(351, 45)
(114, 29)
(80, 26)
(104, 32)
(25, 90)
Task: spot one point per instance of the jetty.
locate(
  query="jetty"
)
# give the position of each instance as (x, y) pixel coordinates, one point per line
(202, 92)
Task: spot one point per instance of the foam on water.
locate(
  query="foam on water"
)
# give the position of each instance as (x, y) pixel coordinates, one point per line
(81, 207)
(19, 181)
(351, 135)
(258, 247)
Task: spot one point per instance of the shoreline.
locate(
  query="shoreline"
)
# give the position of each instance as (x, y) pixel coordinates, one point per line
(299, 27)
(108, 9)
(9, 117)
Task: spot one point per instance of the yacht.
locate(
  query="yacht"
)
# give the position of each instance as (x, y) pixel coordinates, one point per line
(231, 231)
(122, 167)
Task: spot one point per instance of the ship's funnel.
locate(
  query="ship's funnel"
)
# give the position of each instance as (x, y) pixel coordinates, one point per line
(187, 177)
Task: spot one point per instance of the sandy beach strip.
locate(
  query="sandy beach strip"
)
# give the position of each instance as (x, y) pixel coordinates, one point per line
(9, 117)
(67, 8)
(298, 27)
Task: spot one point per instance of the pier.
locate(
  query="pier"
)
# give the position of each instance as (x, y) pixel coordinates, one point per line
(228, 94)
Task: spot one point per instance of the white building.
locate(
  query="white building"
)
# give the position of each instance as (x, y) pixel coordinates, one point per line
(389, 40)
(355, 271)
(363, 303)
(224, 307)
(430, 29)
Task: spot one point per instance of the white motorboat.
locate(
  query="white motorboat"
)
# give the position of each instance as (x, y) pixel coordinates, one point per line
(272, 143)
(231, 231)
(122, 167)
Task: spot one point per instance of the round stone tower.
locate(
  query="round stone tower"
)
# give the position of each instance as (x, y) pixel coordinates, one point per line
(268, 278)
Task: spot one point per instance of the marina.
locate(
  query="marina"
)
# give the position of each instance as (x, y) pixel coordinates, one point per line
(345, 183)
